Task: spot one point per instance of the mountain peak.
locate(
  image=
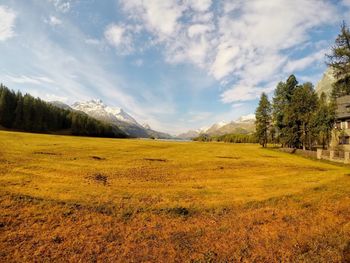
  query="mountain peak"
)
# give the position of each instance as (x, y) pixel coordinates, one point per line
(99, 110)
(97, 101)
(146, 126)
(246, 118)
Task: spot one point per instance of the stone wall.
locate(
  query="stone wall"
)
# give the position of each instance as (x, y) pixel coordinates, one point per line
(334, 156)
(305, 153)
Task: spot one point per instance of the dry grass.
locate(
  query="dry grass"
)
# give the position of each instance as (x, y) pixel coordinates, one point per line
(86, 199)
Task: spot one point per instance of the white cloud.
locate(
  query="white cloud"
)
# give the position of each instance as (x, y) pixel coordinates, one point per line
(119, 37)
(240, 92)
(237, 105)
(160, 16)
(53, 21)
(300, 64)
(200, 5)
(23, 79)
(7, 23)
(92, 41)
(61, 5)
(243, 45)
(198, 116)
(198, 29)
(138, 62)
(346, 3)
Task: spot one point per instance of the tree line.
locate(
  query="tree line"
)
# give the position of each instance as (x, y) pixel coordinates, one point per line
(26, 113)
(230, 138)
(297, 117)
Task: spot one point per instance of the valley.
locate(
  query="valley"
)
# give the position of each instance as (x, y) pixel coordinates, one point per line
(98, 199)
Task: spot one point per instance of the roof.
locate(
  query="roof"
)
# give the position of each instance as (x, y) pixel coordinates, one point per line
(343, 110)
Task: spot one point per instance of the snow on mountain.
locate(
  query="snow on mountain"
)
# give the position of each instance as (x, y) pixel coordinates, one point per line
(247, 118)
(99, 110)
(216, 126)
(146, 126)
(244, 124)
(118, 117)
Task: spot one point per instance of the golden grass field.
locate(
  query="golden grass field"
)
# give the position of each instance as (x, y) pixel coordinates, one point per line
(81, 199)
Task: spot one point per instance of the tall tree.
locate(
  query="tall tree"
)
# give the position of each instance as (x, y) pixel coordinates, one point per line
(18, 121)
(263, 119)
(339, 60)
(7, 107)
(323, 120)
(284, 124)
(302, 108)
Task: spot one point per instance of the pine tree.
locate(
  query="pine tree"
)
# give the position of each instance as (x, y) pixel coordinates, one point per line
(18, 121)
(302, 108)
(339, 61)
(7, 107)
(323, 120)
(284, 123)
(263, 119)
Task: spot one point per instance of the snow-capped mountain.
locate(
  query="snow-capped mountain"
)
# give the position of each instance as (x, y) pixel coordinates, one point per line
(146, 126)
(98, 110)
(244, 124)
(216, 126)
(246, 118)
(115, 116)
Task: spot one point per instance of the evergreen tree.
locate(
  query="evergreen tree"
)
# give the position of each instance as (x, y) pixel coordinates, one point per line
(263, 119)
(7, 108)
(339, 60)
(323, 120)
(302, 108)
(32, 114)
(279, 104)
(285, 124)
(18, 122)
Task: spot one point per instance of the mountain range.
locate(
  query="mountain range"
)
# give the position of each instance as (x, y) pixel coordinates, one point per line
(113, 115)
(243, 125)
(118, 117)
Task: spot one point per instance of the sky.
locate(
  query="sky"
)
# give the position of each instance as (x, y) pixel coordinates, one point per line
(174, 64)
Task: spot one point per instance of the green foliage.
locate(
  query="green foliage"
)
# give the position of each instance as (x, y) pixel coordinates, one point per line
(339, 60)
(300, 119)
(229, 138)
(263, 120)
(300, 114)
(33, 114)
(323, 120)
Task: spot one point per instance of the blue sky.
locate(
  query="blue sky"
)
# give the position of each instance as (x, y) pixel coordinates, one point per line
(175, 64)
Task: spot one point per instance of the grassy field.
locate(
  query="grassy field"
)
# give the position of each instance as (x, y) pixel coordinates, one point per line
(85, 200)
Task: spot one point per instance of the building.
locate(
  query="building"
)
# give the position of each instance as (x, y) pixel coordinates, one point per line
(341, 133)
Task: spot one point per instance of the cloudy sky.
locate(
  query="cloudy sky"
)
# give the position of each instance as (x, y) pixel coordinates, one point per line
(175, 64)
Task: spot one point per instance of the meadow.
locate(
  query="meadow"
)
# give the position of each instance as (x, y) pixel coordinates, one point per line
(77, 199)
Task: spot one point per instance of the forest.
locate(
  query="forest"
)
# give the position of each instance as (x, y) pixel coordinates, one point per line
(26, 113)
(298, 117)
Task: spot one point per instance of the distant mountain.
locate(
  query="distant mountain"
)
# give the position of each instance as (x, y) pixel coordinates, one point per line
(118, 117)
(243, 125)
(189, 134)
(215, 127)
(60, 105)
(326, 83)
